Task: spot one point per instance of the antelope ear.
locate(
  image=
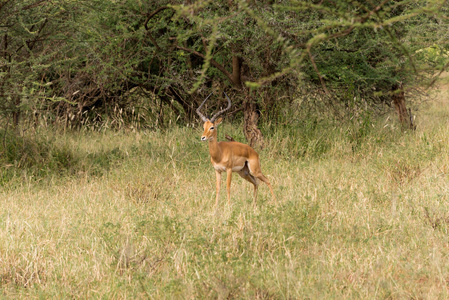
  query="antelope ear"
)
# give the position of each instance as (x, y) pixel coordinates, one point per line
(218, 122)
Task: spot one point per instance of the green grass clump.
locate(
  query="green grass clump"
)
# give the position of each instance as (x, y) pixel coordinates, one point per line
(47, 155)
(362, 213)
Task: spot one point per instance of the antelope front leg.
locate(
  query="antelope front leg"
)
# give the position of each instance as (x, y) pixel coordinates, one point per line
(218, 176)
(228, 184)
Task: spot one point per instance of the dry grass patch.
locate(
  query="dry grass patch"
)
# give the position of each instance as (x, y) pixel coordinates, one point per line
(134, 217)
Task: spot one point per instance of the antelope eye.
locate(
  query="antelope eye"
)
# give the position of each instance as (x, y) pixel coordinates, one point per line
(212, 128)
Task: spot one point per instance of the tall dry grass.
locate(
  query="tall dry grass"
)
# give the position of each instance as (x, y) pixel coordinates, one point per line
(363, 213)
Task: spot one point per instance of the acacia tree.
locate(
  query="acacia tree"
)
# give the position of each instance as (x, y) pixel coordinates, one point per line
(349, 50)
(38, 46)
(360, 50)
(91, 54)
(23, 27)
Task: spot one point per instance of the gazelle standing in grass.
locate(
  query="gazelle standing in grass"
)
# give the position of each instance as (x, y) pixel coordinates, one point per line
(231, 156)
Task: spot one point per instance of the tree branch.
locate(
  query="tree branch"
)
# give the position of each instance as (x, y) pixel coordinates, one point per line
(317, 72)
(151, 15)
(359, 21)
(33, 42)
(153, 40)
(3, 4)
(5, 45)
(36, 4)
(212, 62)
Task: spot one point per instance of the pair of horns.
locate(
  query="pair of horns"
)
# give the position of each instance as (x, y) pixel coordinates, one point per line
(217, 114)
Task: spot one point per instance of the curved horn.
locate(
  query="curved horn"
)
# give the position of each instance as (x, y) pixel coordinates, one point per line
(198, 109)
(223, 110)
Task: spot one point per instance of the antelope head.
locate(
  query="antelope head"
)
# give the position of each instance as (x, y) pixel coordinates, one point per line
(210, 125)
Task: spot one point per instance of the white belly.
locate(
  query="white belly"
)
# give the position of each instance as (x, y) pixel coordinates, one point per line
(237, 168)
(221, 168)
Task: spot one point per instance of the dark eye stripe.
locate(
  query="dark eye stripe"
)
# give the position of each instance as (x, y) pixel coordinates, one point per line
(212, 128)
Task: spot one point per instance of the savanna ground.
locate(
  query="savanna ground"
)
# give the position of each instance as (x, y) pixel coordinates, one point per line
(363, 212)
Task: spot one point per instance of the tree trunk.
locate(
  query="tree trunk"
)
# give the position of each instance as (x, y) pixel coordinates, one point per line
(251, 117)
(16, 112)
(398, 97)
(250, 110)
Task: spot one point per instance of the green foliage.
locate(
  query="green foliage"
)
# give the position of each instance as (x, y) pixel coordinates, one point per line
(78, 62)
(435, 56)
(356, 50)
(38, 157)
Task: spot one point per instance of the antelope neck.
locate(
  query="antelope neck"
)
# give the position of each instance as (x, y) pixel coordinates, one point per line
(214, 150)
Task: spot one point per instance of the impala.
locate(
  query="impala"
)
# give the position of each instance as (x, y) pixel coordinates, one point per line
(231, 156)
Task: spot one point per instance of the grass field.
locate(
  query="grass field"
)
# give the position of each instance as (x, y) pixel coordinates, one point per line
(363, 212)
